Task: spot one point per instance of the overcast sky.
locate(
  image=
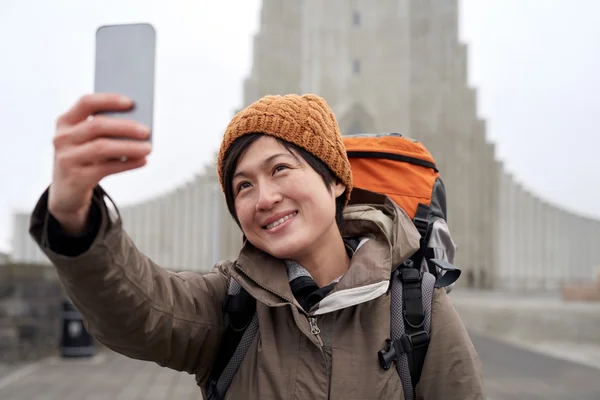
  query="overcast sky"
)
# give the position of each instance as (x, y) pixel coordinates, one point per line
(535, 64)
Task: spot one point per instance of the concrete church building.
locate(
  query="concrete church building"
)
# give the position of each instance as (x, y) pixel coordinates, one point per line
(394, 67)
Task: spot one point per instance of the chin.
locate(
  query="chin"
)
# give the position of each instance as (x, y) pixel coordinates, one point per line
(285, 249)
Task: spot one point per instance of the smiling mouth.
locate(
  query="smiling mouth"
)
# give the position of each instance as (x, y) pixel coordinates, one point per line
(280, 221)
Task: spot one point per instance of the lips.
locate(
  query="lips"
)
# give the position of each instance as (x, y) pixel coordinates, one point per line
(278, 220)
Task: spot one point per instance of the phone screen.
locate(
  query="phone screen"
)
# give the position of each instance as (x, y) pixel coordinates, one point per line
(125, 64)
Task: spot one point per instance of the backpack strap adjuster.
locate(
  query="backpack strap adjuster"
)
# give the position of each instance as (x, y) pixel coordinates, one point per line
(240, 309)
(421, 221)
(415, 341)
(410, 275)
(422, 226)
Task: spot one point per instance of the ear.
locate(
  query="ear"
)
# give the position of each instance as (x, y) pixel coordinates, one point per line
(338, 189)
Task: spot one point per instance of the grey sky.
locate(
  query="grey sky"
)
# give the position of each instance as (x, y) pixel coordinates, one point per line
(535, 64)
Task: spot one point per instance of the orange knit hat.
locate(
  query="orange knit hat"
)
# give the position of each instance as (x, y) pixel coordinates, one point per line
(306, 121)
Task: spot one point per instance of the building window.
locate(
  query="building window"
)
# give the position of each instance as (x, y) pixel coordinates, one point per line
(356, 67)
(356, 18)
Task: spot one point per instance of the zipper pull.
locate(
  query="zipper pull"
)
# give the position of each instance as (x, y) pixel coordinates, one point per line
(314, 329)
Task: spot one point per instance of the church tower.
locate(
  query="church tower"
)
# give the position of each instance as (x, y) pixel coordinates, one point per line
(397, 67)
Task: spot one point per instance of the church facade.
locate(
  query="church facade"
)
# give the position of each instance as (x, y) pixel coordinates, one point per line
(397, 67)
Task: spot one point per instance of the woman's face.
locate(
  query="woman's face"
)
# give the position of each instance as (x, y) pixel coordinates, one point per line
(283, 205)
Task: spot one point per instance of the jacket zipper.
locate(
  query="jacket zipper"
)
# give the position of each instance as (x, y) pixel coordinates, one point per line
(314, 328)
(312, 320)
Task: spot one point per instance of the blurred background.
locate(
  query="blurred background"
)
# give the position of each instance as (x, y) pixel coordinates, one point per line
(504, 93)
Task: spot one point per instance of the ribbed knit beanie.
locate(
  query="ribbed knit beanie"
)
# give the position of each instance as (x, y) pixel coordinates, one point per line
(306, 121)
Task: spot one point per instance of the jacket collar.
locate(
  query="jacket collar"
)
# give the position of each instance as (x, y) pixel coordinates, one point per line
(388, 238)
(378, 214)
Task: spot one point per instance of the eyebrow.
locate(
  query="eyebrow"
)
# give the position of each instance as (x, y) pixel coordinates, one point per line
(267, 161)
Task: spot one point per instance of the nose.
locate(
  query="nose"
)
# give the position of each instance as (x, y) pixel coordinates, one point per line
(268, 196)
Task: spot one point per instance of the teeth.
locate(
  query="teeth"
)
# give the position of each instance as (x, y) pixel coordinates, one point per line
(280, 220)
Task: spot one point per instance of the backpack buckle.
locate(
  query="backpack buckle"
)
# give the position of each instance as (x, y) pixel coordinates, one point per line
(405, 345)
(390, 353)
(410, 275)
(414, 341)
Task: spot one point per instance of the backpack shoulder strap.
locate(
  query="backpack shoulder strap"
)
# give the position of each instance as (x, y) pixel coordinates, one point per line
(411, 298)
(241, 323)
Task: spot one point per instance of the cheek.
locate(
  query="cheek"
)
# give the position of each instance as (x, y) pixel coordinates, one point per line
(314, 198)
(301, 190)
(244, 212)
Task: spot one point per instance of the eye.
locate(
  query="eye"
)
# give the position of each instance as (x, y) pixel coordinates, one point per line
(241, 186)
(279, 168)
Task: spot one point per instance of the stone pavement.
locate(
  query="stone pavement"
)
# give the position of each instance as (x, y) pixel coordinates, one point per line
(528, 318)
(106, 376)
(515, 373)
(511, 372)
(534, 346)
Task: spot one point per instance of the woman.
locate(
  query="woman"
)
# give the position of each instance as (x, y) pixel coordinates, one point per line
(286, 178)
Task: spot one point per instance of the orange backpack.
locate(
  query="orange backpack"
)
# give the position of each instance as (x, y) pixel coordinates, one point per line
(404, 170)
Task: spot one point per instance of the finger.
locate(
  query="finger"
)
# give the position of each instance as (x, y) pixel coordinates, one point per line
(100, 171)
(101, 126)
(103, 149)
(94, 103)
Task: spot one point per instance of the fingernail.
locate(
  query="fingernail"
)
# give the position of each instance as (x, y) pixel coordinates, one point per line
(143, 130)
(124, 100)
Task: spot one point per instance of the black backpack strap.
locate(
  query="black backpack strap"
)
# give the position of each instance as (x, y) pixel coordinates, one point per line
(421, 221)
(424, 224)
(242, 324)
(411, 298)
(416, 337)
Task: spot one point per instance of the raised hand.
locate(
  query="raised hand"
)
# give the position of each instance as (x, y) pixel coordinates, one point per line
(89, 147)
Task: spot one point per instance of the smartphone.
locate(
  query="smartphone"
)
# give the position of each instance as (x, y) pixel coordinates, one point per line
(125, 64)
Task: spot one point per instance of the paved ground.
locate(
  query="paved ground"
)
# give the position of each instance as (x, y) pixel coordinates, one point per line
(107, 376)
(511, 372)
